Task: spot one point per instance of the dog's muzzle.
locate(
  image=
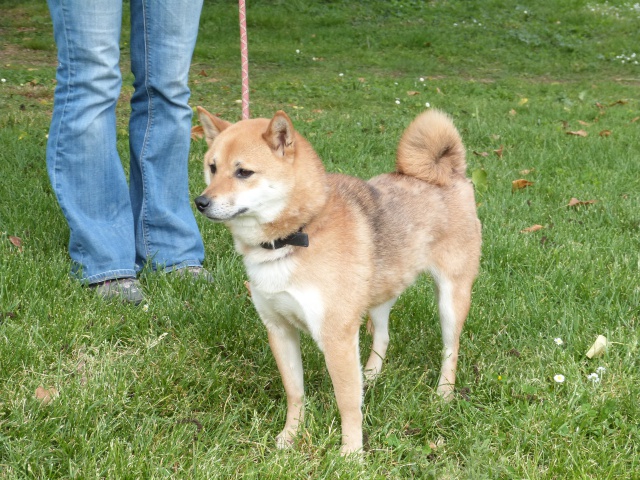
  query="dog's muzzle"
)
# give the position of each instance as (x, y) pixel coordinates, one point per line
(202, 203)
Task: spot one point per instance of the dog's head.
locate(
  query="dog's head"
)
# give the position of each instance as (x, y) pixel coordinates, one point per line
(248, 168)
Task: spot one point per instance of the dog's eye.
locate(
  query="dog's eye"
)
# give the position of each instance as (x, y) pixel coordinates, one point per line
(242, 173)
(213, 169)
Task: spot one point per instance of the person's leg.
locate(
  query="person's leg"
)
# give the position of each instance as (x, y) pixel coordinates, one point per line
(163, 36)
(82, 160)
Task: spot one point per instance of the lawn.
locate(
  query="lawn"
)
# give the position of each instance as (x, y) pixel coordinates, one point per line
(545, 94)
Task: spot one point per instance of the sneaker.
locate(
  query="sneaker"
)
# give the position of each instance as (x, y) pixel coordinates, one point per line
(197, 273)
(125, 289)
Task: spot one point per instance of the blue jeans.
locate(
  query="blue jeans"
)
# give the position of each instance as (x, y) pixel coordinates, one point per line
(116, 228)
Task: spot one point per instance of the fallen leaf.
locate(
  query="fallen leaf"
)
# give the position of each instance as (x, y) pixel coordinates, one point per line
(247, 285)
(605, 133)
(527, 171)
(439, 91)
(598, 348)
(512, 112)
(197, 132)
(479, 179)
(519, 184)
(498, 152)
(46, 396)
(634, 120)
(575, 202)
(533, 228)
(583, 123)
(412, 93)
(619, 102)
(578, 133)
(203, 73)
(480, 154)
(16, 241)
(565, 124)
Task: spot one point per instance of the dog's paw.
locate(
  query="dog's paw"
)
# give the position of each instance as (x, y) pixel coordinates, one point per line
(284, 440)
(446, 391)
(370, 376)
(352, 452)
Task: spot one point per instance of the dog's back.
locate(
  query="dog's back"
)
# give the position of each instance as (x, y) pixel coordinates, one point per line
(422, 212)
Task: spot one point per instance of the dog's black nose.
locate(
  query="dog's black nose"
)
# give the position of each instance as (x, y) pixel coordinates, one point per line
(202, 202)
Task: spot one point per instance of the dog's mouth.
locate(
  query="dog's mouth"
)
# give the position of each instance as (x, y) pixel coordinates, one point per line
(206, 207)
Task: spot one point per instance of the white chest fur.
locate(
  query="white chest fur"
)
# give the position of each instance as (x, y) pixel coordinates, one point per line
(280, 303)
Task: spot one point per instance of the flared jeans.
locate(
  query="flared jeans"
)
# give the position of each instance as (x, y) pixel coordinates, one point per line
(117, 227)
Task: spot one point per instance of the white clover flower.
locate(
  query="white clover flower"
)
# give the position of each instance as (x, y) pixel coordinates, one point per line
(341, 74)
(4, 80)
(427, 105)
(593, 377)
(558, 341)
(558, 378)
(297, 51)
(601, 370)
(145, 307)
(397, 101)
(422, 79)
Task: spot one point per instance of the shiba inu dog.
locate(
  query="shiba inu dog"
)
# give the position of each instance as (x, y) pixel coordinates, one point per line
(322, 250)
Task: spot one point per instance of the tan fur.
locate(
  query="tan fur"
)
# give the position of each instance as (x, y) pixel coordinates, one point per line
(368, 241)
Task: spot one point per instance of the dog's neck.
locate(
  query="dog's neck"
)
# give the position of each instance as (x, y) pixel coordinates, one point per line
(306, 200)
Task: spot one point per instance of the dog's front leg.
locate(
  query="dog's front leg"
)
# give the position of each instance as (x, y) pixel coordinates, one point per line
(284, 341)
(343, 362)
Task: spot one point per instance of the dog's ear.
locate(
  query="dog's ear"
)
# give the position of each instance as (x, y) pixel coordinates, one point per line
(211, 125)
(280, 133)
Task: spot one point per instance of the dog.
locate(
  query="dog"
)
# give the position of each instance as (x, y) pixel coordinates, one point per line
(321, 250)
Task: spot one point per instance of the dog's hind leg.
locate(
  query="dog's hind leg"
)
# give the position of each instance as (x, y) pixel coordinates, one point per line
(284, 341)
(379, 316)
(454, 300)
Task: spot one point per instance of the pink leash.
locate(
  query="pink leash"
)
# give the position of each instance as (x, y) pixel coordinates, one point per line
(244, 55)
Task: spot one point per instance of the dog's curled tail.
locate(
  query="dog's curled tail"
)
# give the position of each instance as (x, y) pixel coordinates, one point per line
(431, 149)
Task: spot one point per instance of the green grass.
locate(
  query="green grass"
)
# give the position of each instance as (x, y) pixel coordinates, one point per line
(187, 387)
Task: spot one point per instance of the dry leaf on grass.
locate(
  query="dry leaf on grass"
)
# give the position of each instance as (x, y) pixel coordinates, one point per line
(598, 348)
(46, 396)
(16, 241)
(578, 133)
(533, 228)
(480, 154)
(412, 93)
(527, 171)
(499, 151)
(605, 133)
(520, 184)
(197, 132)
(575, 202)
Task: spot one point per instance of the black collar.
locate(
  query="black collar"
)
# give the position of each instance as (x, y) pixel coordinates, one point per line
(297, 239)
